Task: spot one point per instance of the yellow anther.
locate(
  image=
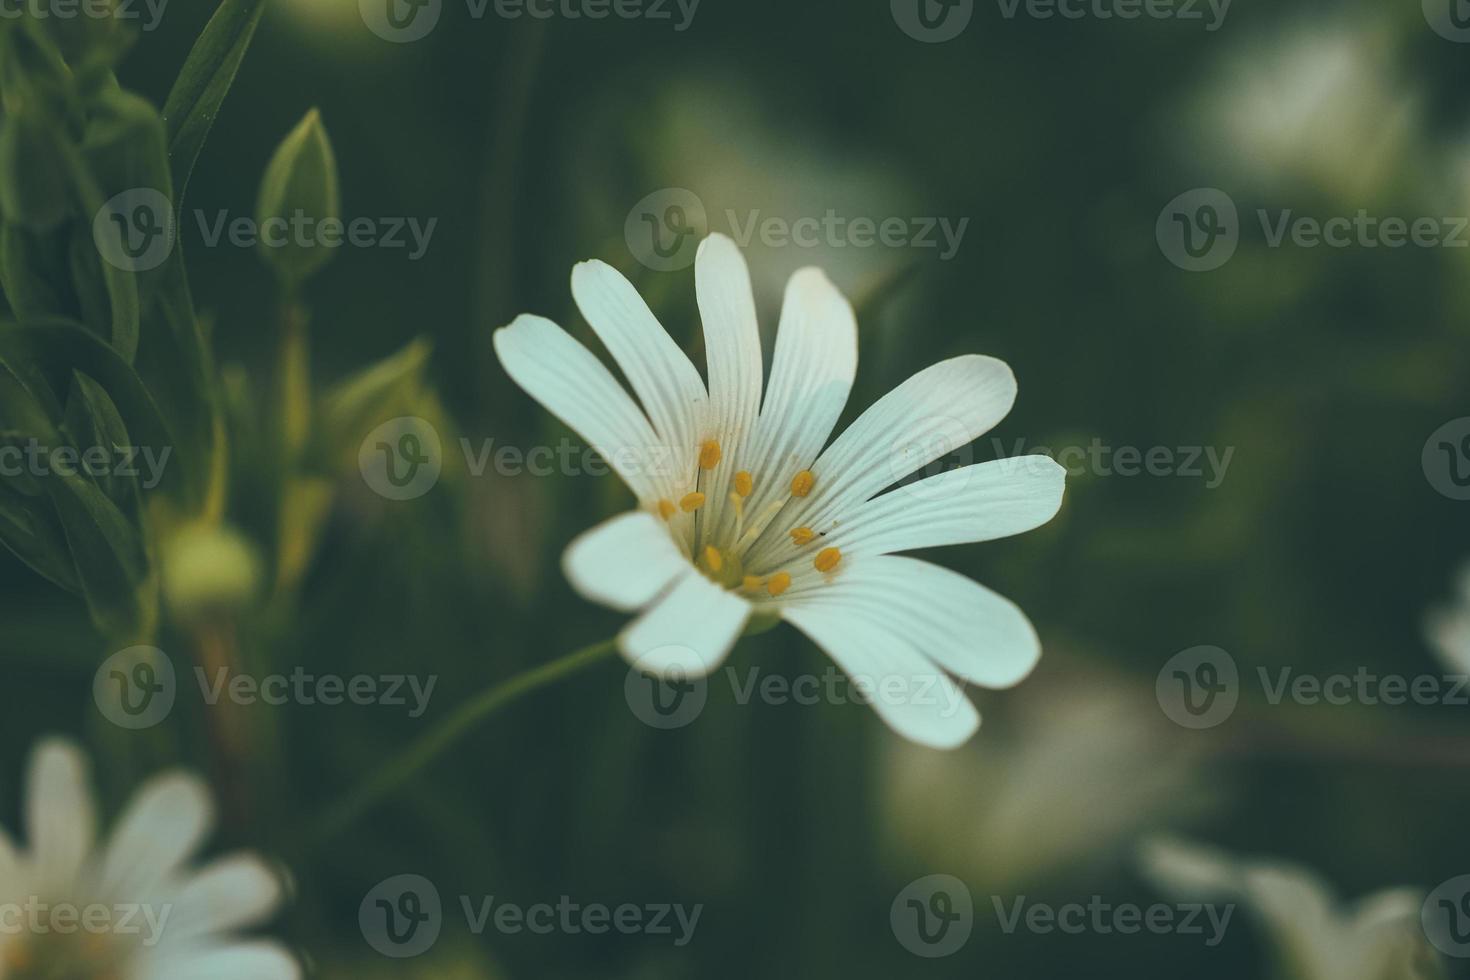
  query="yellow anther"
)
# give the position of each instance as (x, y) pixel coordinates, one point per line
(691, 502)
(827, 559)
(779, 583)
(743, 483)
(802, 483)
(752, 582)
(666, 509)
(709, 455)
(802, 535)
(713, 558)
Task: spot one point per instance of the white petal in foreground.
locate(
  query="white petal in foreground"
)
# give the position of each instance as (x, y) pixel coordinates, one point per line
(233, 893)
(166, 822)
(572, 384)
(952, 620)
(61, 817)
(732, 338)
(689, 631)
(238, 961)
(909, 692)
(812, 371)
(658, 369)
(937, 411)
(625, 562)
(733, 357)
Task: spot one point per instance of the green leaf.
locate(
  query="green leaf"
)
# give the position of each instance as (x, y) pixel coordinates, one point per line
(30, 531)
(27, 275)
(33, 186)
(204, 82)
(53, 349)
(299, 182)
(109, 555)
(96, 428)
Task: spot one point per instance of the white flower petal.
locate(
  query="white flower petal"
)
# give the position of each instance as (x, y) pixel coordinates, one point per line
(811, 376)
(910, 693)
(937, 411)
(689, 631)
(233, 893)
(237, 961)
(964, 506)
(952, 620)
(61, 813)
(660, 372)
(625, 562)
(572, 384)
(732, 343)
(166, 822)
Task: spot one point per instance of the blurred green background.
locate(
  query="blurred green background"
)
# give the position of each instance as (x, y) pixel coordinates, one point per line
(1324, 369)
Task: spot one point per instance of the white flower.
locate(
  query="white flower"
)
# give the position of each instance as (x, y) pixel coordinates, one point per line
(1449, 627)
(742, 513)
(1377, 938)
(130, 909)
(1039, 796)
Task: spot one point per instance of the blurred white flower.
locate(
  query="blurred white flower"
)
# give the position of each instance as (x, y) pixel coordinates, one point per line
(1071, 783)
(1315, 937)
(130, 909)
(1448, 627)
(743, 515)
(1318, 106)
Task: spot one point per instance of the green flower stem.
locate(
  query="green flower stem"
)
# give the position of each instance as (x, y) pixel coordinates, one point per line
(436, 741)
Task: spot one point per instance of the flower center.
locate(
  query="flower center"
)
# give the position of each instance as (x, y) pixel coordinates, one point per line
(728, 536)
(57, 956)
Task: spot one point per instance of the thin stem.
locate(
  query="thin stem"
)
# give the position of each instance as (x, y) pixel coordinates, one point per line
(433, 743)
